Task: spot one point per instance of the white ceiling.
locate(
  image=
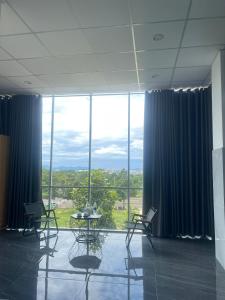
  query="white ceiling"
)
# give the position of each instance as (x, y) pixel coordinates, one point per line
(82, 46)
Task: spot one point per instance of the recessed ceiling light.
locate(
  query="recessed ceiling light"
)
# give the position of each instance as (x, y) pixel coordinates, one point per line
(158, 37)
(155, 75)
(27, 82)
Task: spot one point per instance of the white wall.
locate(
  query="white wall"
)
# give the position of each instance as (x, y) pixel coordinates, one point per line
(218, 114)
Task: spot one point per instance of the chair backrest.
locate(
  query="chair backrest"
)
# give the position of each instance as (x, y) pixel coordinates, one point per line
(150, 214)
(35, 209)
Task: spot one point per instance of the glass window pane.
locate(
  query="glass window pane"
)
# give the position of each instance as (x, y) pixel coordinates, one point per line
(109, 140)
(136, 201)
(136, 140)
(46, 138)
(112, 204)
(136, 152)
(45, 195)
(71, 141)
(66, 202)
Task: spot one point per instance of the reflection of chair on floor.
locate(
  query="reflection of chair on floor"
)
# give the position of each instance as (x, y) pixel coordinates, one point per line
(134, 263)
(36, 214)
(45, 249)
(141, 222)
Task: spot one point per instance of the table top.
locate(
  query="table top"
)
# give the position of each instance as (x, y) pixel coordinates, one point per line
(90, 217)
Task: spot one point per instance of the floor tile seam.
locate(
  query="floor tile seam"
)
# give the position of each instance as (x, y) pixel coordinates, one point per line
(186, 283)
(91, 281)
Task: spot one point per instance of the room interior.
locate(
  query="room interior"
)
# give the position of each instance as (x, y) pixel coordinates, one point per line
(110, 109)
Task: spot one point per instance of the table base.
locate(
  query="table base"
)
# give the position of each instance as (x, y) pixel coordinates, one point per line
(86, 238)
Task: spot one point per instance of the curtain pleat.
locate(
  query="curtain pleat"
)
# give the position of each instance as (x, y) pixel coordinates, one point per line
(21, 119)
(178, 163)
(4, 115)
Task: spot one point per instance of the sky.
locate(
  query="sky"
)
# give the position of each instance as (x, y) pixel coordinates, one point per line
(109, 132)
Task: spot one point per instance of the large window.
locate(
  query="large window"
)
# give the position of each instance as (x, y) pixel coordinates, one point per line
(93, 153)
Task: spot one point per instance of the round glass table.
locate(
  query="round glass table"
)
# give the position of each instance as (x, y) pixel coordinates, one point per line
(86, 235)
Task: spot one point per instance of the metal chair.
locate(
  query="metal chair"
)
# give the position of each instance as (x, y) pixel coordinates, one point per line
(36, 214)
(141, 222)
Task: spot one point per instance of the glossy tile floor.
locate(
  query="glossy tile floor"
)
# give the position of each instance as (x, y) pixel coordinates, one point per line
(175, 269)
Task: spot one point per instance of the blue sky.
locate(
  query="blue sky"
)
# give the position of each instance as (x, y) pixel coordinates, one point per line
(109, 132)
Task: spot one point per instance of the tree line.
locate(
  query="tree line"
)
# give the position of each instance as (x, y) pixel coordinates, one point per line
(115, 185)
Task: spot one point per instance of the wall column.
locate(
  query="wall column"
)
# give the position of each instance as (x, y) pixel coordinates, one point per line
(218, 155)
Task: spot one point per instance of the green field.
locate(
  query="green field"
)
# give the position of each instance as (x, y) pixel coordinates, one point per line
(63, 217)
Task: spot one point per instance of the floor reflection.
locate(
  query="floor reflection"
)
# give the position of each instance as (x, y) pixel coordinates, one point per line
(61, 268)
(104, 269)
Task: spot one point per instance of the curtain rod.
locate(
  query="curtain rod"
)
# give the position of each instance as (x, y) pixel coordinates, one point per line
(183, 89)
(10, 96)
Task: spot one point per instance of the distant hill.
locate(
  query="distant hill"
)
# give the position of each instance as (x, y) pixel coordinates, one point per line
(110, 164)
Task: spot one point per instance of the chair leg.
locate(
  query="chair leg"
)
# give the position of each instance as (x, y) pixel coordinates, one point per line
(148, 234)
(24, 231)
(38, 236)
(150, 240)
(131, 236)
(27, 232)
(128, 232)
(56, 223)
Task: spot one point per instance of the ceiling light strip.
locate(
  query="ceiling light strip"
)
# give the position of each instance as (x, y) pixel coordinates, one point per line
(181, 41)
(134, 43)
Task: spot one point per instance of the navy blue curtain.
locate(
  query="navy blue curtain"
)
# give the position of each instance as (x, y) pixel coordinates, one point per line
(4, 115)
(21, 119)
(178, 162)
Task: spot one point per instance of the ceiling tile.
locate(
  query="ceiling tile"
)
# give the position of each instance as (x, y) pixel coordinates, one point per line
(187, 84)
(154, 86)
(42, 91)
(158, 10)
(74, 90)
(144, 35)
(204, 32)
(5, 83)
(207, 8)
(100, 12)
(123, 88)
(56, 65)
(44, 15)
(12, 68)
(4, 55)
(111, 39)
(27, 82)
(116, 61)
(197, 56)
(208, 80)
(26, 91)
(13, 90)
(48, 65)
(23, 46)
(156, 59)
(121, 77)
(10, 23)
(66, 42)
(76, 80)
(191, 74)
(80, 63)
(155, 76)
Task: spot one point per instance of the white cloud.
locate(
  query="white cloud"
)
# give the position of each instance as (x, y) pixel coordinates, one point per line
(80, 139)
(109, 115)
(137, 144)
(112, 149)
